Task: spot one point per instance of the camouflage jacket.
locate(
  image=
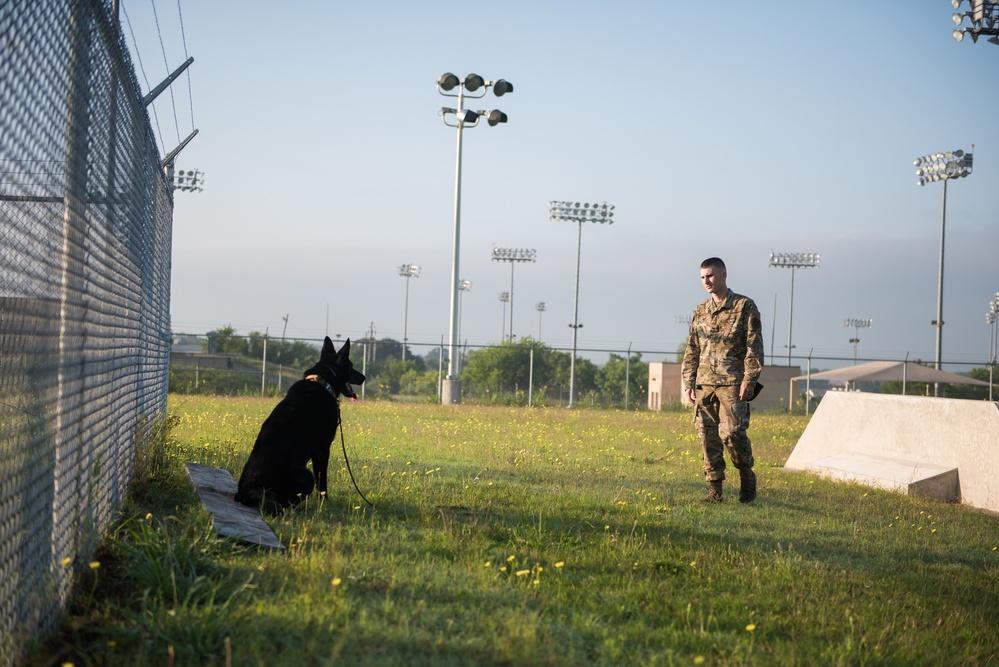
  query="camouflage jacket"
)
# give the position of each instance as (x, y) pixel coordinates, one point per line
(726, 343)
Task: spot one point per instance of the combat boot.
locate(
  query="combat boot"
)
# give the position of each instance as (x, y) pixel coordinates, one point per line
(715, 494)
(747, 488)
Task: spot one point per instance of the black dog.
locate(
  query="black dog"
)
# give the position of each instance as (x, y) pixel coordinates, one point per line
(299, 429)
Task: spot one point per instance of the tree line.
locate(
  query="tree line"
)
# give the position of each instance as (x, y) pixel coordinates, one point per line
(506, 373)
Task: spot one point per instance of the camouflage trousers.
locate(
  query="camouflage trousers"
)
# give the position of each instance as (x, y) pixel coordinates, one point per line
(722, 420)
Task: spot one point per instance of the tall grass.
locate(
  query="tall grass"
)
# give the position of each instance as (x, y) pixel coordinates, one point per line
(537, 537)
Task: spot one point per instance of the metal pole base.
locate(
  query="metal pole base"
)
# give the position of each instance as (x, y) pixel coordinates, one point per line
(451, 391)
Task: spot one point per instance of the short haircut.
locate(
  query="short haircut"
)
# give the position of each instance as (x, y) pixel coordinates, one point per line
(713, 262)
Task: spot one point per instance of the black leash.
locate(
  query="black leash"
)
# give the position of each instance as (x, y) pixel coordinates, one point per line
(339, 421)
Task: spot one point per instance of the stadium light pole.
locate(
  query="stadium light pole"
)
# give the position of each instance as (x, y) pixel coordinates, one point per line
(578, 213)
(983, 16)
(857, 324)
(793, 260)
(407, 271)
(504, 298)
(513, 255)
(460, 118)
(541, 307)
(930, 169)
(463, 286)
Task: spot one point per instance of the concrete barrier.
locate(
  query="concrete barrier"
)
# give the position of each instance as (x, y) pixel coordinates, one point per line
(910, 443)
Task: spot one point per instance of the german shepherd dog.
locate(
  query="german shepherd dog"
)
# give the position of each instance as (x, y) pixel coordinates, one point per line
(299, 429)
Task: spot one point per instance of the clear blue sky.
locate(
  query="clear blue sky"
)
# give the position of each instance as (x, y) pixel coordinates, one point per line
(727, 128)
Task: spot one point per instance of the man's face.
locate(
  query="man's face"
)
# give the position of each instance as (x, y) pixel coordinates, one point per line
(713, 280)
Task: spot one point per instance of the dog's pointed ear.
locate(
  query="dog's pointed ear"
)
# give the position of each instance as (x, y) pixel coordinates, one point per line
(345, 350)
(328, 347)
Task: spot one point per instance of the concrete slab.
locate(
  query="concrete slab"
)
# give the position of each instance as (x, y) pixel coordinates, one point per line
(216, 487)
(944, 432)
(911, 477)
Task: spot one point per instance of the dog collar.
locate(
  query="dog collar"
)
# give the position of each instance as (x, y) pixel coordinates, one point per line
(324, 383)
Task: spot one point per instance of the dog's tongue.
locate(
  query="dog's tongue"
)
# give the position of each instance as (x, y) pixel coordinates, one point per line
(349, 391)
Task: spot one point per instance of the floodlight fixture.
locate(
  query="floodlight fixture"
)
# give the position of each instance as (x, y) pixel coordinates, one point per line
(572, 211)
(932, 168)
(943, 166)
(501, 87)
(983, 19)
(449, 85)
(494, 117)
(447, 81)
(462, 117)
(793, 260)
(191, 180)
(682, 319)
(407, 271)
(473, 82)
(577, 212)
(514, 255)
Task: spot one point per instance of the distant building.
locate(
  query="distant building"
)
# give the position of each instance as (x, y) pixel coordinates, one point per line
(666, 386)
(186, 344)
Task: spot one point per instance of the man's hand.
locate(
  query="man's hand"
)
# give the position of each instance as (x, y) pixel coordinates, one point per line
(746, 390)
(692, 395)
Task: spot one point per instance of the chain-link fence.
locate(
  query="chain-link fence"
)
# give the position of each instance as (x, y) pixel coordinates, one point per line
(522, 373)
(85, 237)
(525, 372)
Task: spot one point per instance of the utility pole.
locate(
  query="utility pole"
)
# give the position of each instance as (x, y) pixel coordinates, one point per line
(371, 340)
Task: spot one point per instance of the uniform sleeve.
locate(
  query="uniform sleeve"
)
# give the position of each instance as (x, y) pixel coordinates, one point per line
(754, 344)
(691, 356)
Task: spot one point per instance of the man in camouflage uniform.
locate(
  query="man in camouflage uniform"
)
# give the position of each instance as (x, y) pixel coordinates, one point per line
(723, 361)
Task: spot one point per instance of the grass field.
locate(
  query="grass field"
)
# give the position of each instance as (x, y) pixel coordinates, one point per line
(514, 536)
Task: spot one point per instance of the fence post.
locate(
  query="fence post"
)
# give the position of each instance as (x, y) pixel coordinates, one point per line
(905, 367)
(70, 494)
(627, 376)
(808, 385)
(263, 368)
(440, 371)
(530, 380)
